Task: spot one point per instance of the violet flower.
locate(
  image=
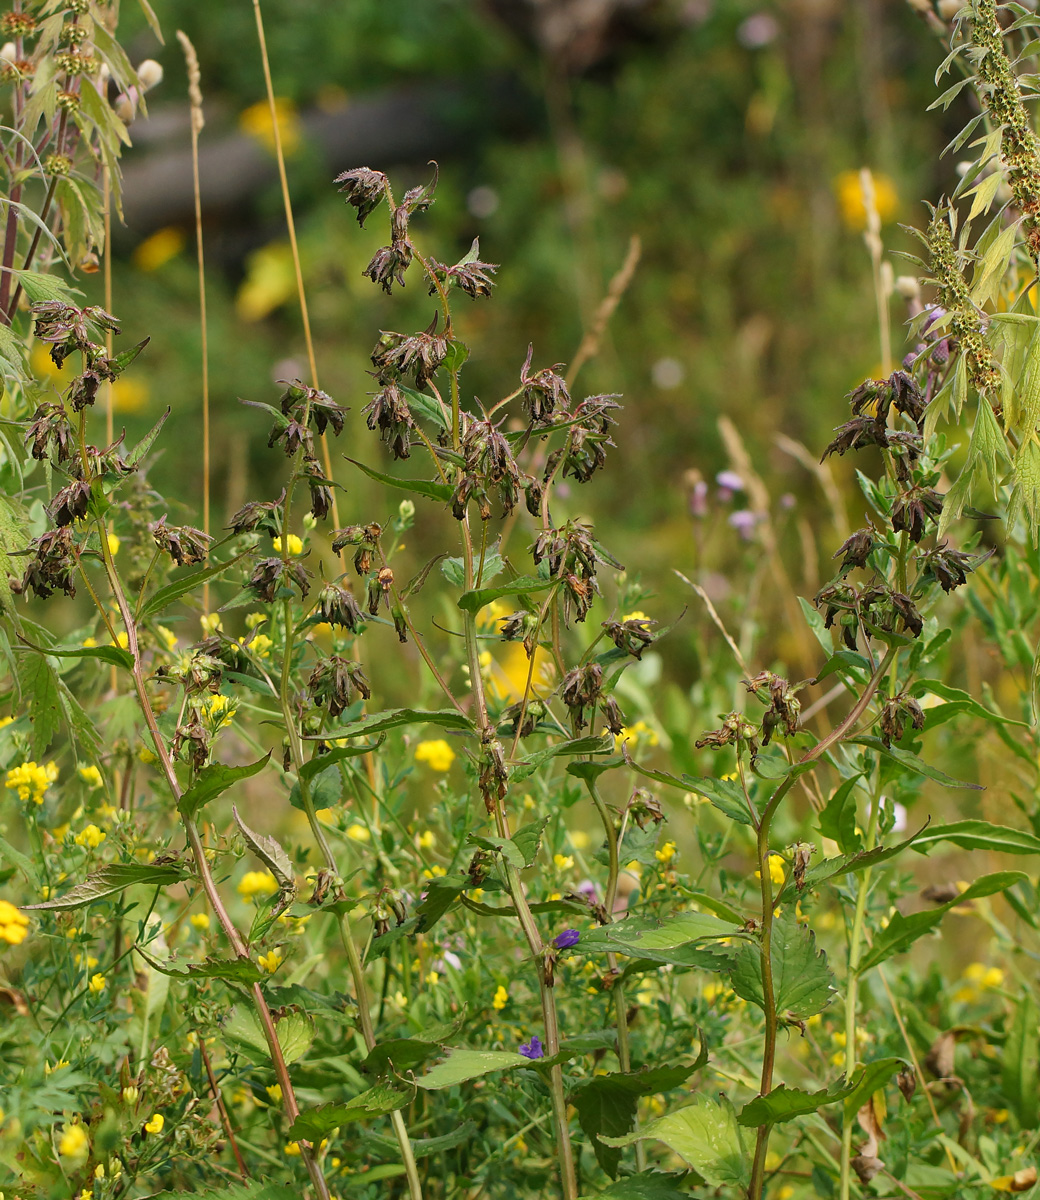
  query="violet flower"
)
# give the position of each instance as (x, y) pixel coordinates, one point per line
(533, 1048)
(566, 939)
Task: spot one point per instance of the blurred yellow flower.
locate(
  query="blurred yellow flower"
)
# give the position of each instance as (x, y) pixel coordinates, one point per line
(636, 734)
(166, 636)
(666, 853)
(31, 781)
(74, 1142)
(849, 193)
(122, 640)
(113, 544)
(269, 282)
(292, 1149)
(155, 1125)
(501, 999)
(91, 836)
(130, 395)
(156, 251)
(91, 776)
(256, 121)
(295, 544)
(199, 921)
(274, 1090)
(271, 961)
(14, 924)
(564, 862)
(257, 883)
(437, 755)
(426, 840)
(97, 984)
(776, 869)
(358, 833)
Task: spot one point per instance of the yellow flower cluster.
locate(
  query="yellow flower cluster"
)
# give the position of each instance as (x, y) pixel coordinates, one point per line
(295, 545)
(270, 962)
(978, 979)
(14, 924)
(638, 733)
(501, 999)
(220, 711)
(31, 781)
(437, 755)
(91, 836)
(91, 776)
(155, 1125)
(776, 869)
(74, 1143)
(257, 883)
(666, 853)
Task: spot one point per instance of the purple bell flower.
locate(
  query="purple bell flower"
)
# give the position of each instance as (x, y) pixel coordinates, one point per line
(533, 1048)
(564, 941)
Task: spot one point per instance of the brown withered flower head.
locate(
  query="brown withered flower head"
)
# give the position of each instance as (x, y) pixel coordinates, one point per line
(335, 681)
(644, 807)
(544, 392)
(388, 265)
(585, 453)
(70, 504)
(389, 413)
(841, 601)
(320, 488)
(272, 574)
(363, 188)
(580, 691)
(913, 509)
(950, 568)
(784, 706)
(257, 514)
(419, 355)
(50, 427)
(69, 329)
(183, 543)
(337, 606)
(632, 635)
(883, 606)
(856, 549)
(307, 404)
(51, 566)
(736, 729)
(489, 460)
(896, 712)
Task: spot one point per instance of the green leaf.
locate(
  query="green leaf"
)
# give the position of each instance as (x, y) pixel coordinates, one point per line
(866, 1080)
(582, 745)
(647, 1185)
(270, 853)
(112, 879)
(921, 687)
(912, 763)
(725, 794)
(838, 818)
(462, 1065)
(418, 487)
(113, 655)
(990, 270)
(234, 970)
(502, 846)
(1021, 1086)
(40, 288)
(802, 982)
(848, 864)
(902, 932)
(399, 1054)
(428, 407)
(686, 939)
(475, 600)
(441, 894)
(607, 1104)
(295, 1034)
(454, 569)
(322, 762)
(591, 771)
(785, 1103)
(314, 1123)
(980, 835)
(146, 443)
(38, 685)
(528, 840)
(393, 718)
(706, 1135)
(166, 596)
(211, 781)
(253, 1190)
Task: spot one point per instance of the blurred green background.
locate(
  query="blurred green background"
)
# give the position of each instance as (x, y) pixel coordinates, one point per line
(725, 134)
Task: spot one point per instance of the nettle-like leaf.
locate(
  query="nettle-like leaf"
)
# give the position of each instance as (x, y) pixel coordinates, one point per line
(295, 1035)
(253, 1190)
(314, 1123)
(110, 880)
(785, 1103)
(462, 1065)
(232, 970)
(647, 1185)
(803, 983)
(607, 1104)
(706, 1135)
(270, 853)
(211, 781)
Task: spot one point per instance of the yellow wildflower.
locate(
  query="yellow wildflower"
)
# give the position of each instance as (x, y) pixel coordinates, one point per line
(130, 1095)
(666, 853)
(637, 615)
(122, 640)
(501, 999)
(433, 978)
(14, 924)
(260, 645)
(434, 872)
(211, 622)
(295, 545)
(426, 840)
(849, 191)
(564, 862)
(292, 1149)
(199, 921)
(579, 839)
(5, 721)
(271, 961)
(274, 1090)
(257, 883)
(97, 984)
(155, 1125)
(220, 711)
(91, 836)
(91, 776)
(254, 619)
(74, 1142)
(776, 869)
(358, 833)
(256, 121)
(157, 250)
(31, 781)
(437, 754)
(113, 544)
(637, 733)
(167, 637)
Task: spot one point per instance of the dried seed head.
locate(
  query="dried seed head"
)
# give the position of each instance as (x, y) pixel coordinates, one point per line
(363, 188)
